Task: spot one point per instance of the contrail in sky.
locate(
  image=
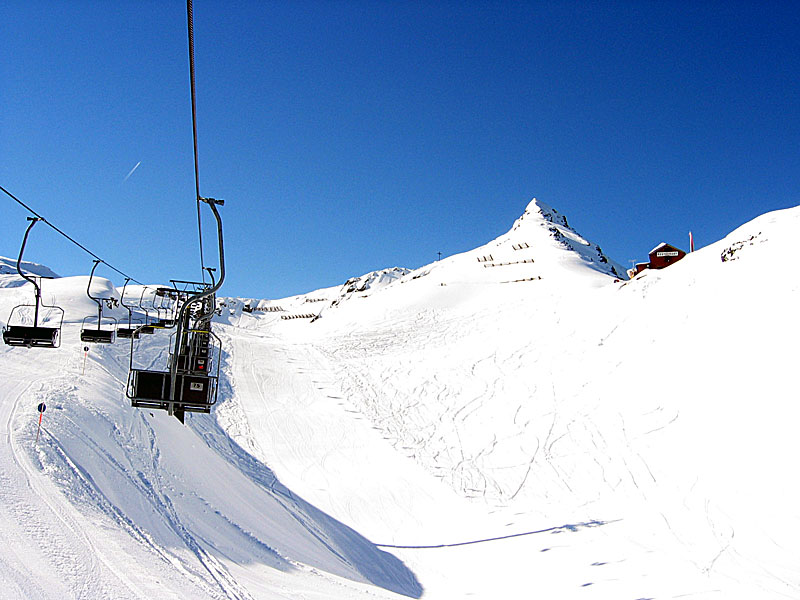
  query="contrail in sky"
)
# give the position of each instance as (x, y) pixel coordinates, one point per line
(131, 172)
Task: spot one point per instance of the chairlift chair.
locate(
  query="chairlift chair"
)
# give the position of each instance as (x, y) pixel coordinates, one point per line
(161, 322)
(130, 330)
(98, 335)
(36, 335)
(196, 380)
(191, 382)
(165, 294)
(146, 328)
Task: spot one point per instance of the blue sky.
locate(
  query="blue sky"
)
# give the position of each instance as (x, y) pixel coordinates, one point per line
(350, 136)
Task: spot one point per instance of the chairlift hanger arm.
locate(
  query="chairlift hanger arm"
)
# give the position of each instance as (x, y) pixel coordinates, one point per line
(110, 301)
(122, 302)
(209, 290)
(213, 203)
(141, 300)
(89, 285)
(198, 297)
(38, 290)
(122, 299)
(122, 295)
(33, 221)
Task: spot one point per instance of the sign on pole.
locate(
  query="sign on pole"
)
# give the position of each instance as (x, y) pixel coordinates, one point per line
(41, 408)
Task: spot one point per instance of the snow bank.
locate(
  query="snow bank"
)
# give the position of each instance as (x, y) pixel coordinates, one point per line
(9, 276)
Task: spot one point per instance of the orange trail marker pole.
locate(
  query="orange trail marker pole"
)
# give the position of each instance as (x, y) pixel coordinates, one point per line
(85, 354)
(41, 408)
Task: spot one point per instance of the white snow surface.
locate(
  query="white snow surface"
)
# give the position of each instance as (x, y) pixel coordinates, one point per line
(512, 422)
(9, 276)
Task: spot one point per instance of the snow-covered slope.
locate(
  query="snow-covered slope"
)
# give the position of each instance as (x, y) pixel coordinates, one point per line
(9, 276)
(69, 294)
(116, 502)
(515, 421)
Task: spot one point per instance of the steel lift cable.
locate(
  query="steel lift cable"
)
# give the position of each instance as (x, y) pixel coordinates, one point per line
(190, 21)
(78, 244)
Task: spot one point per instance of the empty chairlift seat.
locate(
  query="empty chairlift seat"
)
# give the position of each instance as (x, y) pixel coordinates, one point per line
(32, 337)
(128, 332)
(21, 329)
(195, 388)
(97, 336)
(151, 389)
(185, 386)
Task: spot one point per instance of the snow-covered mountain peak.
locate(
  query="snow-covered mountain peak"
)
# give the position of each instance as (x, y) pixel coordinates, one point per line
(540, 254)
(538, 209)
(541, 243)
(544, 224)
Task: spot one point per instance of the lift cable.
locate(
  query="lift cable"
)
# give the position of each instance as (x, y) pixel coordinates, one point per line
(78, 244)
(190, 20)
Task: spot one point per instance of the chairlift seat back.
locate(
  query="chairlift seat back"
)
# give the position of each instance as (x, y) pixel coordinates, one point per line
(128, 332)
(98, 336)
(29, 336)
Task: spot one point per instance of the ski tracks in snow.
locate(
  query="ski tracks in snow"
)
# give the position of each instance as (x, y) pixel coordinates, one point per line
(460, 419)
(65, 518)
(48, 529)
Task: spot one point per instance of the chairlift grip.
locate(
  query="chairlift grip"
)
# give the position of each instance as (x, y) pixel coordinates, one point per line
(209, 314)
